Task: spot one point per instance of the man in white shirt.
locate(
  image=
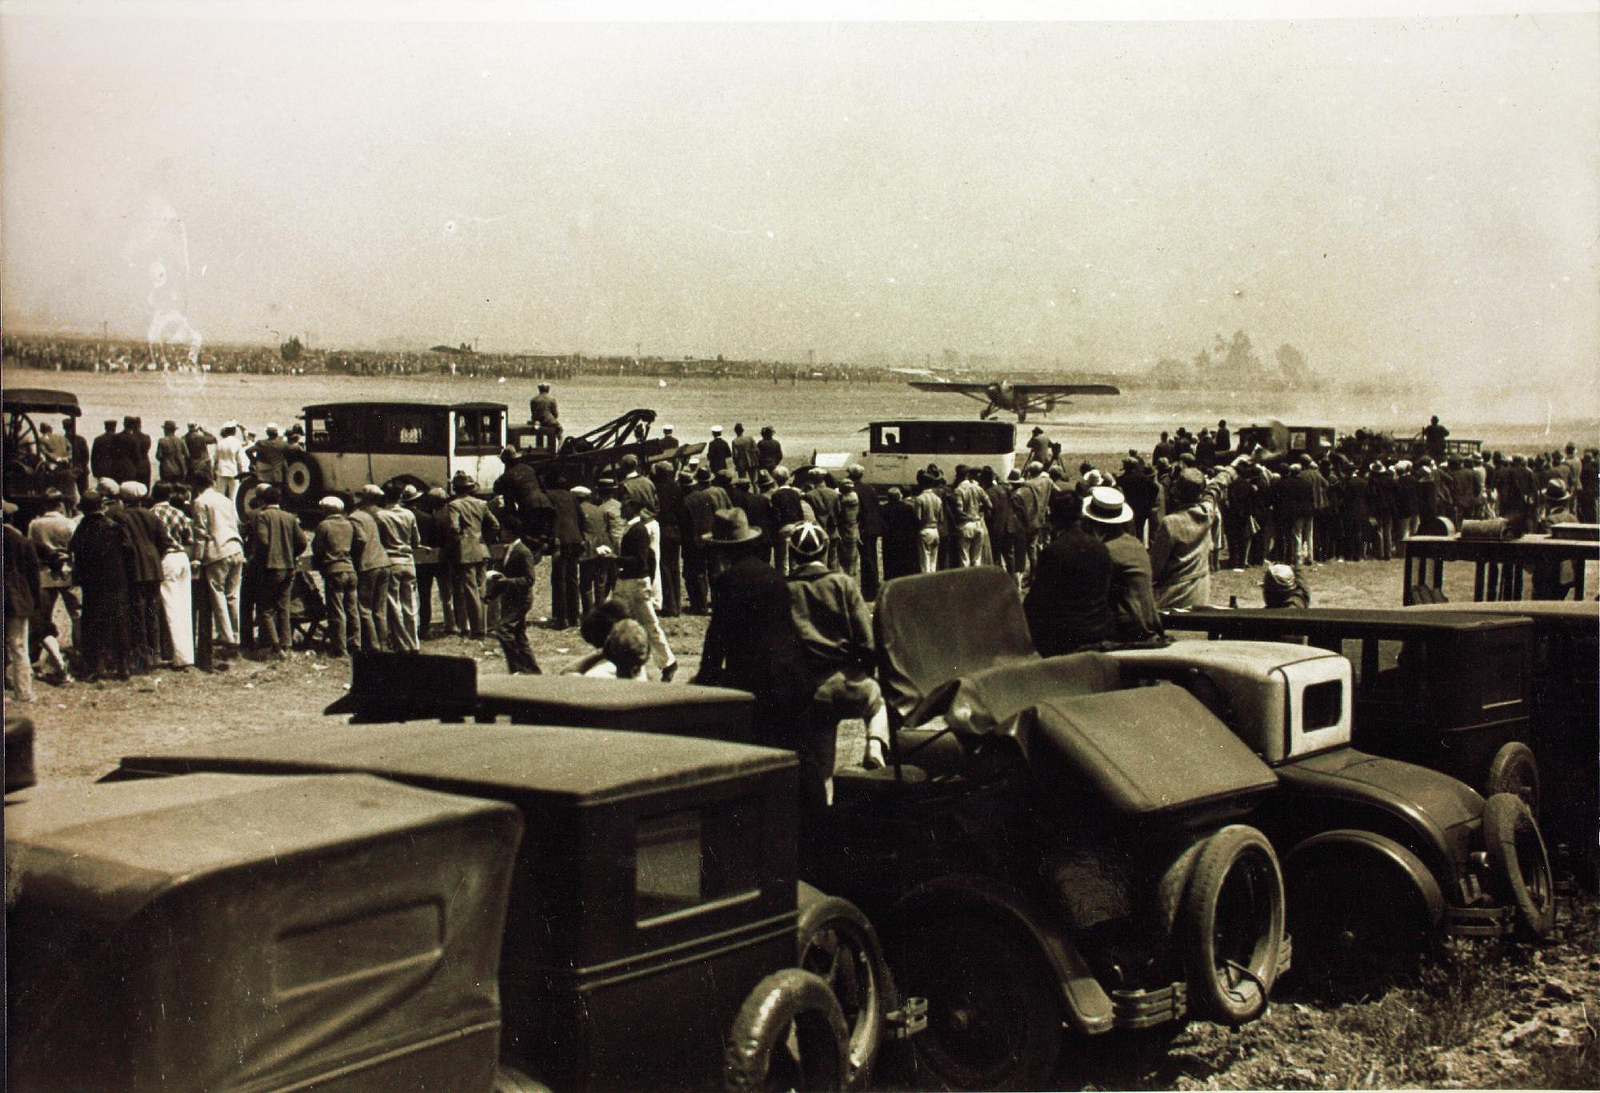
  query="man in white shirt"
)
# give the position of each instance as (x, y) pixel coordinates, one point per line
(230, 459)
(220, 549)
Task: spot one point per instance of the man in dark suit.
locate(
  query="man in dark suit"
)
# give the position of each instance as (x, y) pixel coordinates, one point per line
(1069, 603)
(672, 517)
(150, 543)
(136, 447)
(279, 542)
(568, 538)
(871, 521)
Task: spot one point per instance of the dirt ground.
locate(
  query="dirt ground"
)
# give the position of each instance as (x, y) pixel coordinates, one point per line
(1474, 1014)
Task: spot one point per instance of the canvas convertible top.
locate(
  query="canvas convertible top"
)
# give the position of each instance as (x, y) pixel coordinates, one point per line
(252, 932)
(39, 400)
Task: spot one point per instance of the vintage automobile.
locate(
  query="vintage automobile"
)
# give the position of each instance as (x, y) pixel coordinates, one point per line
(1281, 441)
(656, 875)
(897, 450)
(261, 933)
(424, 444)
(1564, 713)
(1378, 854)
(1449, 691)
(1047, 881)
(28, 474)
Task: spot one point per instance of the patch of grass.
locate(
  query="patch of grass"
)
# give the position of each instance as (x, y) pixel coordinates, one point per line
(1402, 1033)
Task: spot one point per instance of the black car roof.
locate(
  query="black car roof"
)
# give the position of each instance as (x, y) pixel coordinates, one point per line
(40, 400)
(550, 767)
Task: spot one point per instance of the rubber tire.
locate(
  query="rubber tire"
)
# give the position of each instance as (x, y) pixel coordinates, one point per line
(248, 483)
(863, 971)
(785, 999)
(302, 480)
(1210, 905)
(1510, 834)
(1515, 770)
(1347, 890)
(984, 951)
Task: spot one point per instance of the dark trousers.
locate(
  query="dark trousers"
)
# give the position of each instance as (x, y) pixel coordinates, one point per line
(372, 592)
(512, 632)
(1236, 529)
(437, 573)
(107, 638)
(595, 578)
(144, 598)
(249, 592)
(276, 586)
(671, 578)
(697, 583)
(342, 625)
(565, 602)
(468, 584)
(869, 567)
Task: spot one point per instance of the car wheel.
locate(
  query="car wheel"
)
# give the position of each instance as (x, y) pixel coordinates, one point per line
(1515, 770)
(1232, 925)
(994, 1011)
(1518, 857)
(302, 480)
(248, 500)
(789, 1034)
(837, 943)
(1352, 916)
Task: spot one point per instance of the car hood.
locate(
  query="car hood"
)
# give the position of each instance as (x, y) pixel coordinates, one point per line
(1442, 800)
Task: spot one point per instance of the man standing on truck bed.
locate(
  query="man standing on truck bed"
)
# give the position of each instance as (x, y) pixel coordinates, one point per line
(543, 413)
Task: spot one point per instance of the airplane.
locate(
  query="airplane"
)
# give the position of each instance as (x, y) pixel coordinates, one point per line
(1020, 398)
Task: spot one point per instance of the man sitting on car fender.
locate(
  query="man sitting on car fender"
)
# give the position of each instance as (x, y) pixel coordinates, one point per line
(835, 627)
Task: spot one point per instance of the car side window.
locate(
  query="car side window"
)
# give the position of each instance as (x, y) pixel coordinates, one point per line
(695, 857)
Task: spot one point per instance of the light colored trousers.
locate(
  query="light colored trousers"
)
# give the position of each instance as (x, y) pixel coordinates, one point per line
(176, 599)
(223, 577)
(633, 593)
(928, 549)
(403, 607)
(21, 664)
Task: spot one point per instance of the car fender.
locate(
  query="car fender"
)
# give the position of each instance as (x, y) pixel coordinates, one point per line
(1087, 1005)
(1425, 884)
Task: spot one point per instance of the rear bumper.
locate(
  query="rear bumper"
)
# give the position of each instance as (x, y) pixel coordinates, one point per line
(1139, 1009)
(1478, 921)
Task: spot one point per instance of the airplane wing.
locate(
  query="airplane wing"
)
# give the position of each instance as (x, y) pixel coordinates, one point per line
(1060, 390)
(960, 387)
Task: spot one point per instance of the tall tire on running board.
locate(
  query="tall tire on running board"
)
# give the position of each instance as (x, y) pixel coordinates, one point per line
(1518, 858)
(789, 1034)
(837, 943)
(1232, 924)
(1515, 770)
(302, 480)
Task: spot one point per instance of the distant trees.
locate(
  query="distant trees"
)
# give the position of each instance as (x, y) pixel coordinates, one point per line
(1234, 361)
(290, 350)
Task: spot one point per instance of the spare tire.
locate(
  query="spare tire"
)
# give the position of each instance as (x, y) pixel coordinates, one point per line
(1520, 863)
(837, 943)
(760, 1052)
(1232, 924)
(1514, 770)
(302, 480)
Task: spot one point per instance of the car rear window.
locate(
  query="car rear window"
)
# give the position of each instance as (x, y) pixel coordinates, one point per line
(692, 857)
(1323, 705)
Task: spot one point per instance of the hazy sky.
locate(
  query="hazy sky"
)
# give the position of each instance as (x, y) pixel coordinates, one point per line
(1410, 194)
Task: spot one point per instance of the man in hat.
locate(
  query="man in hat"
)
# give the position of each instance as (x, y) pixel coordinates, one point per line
(197, 444)
(1554, 580)
(902, 544)
(513, 584)
(669, 439)
(333, 550)
(673, 518)
(637, 563)
(51, 535)
(769, 453)
(1068, 606)
(596, 565)
(835, 627)
(972, 511)
(634, 484)
(80, 453)
(220, 547)
(279, 541)
(1433, 435)
(871, 525)
(402, 540)
(177, 570)
(57, 450)
(1039, 447)
(433, 527)
(718, 453)
(701, 502)
(136, 445)
(930, 520)
(519, 486)
(372, 571)
(542, 412)
(746, 460)
(472, 524)
(269, 456)
(566, 548)
(1134, 614)
(751, 642)
(824, 502)
(23, 595)
(98, 547)
(150, 543)
(230, 460)
(1180, 542)
(788, 511)
(1284, 586)
(172, 456)
(105, 460)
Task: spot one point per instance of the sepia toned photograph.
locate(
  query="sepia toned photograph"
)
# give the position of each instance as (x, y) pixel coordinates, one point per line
(879, 547)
